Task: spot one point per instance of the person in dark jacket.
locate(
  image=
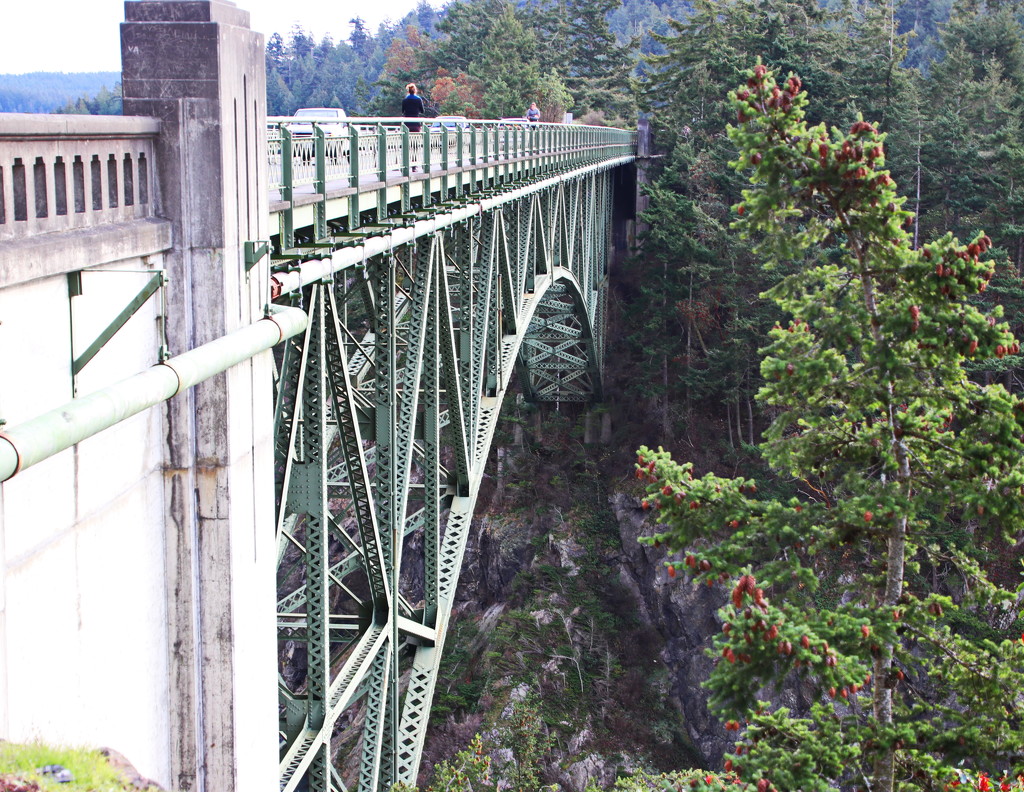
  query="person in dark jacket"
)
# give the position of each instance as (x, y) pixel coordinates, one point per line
(412, 107)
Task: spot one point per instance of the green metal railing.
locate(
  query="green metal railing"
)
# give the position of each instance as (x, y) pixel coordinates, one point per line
(367, 149)
(333, 177)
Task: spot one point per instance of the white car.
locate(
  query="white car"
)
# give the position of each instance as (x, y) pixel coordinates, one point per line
(327, 118)
(450, 122)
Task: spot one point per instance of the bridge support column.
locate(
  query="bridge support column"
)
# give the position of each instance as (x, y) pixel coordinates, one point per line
(199, 68)
(643, 154)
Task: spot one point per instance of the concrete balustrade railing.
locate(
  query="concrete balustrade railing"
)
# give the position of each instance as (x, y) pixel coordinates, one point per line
(376, 149)
(63, 172)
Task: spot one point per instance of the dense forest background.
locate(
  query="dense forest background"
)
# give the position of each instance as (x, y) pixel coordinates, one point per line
(946, 93)
(479, 59)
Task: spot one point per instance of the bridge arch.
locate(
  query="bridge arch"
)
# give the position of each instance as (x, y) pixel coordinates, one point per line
(562, 352)
(385, 414)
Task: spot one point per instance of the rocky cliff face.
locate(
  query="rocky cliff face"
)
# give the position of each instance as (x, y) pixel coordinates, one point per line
(558, 603)
(685, 616)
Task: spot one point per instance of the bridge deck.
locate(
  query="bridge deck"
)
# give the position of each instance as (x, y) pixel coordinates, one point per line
(377, 165)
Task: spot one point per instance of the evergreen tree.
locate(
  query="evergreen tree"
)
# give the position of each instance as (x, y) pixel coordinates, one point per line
(636, 19)
(853, 55)
(969, 147)
(598, 69)
(360, 97)
(922, 20)
(464, 30)
(507, 66)
(701, 274)
(105, 102)
(300, 44)
(970, 150)
(280, 100)
(550, 21)
(359, 38)
(426, 17)
(905, 472)
(871, 78)
(323, 51)
(275, 52)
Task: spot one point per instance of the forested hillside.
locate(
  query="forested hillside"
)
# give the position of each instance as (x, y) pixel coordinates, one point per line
(901, 472)
(952, 145)
(485, 58)
(47, 92)
(474, 57)
(880, 413)
(491, 58)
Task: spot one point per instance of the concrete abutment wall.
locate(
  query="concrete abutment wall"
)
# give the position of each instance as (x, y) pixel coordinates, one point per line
(198, 68)
(134, 564)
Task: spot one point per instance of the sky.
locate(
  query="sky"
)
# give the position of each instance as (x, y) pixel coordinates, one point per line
(83, 35)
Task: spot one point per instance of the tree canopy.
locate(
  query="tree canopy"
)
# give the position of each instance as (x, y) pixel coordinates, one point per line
(906, 466)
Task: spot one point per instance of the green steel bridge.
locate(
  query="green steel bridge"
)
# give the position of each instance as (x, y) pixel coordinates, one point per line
(433, 267)
(405, 279)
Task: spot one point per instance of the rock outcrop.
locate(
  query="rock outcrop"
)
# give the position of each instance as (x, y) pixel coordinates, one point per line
(677, 621)
(685, 615)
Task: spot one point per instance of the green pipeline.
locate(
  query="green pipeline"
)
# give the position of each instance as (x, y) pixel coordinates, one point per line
(41, 437)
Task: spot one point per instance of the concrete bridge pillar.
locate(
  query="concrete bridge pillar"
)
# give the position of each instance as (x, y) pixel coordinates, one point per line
(643, 159)
(197, 67)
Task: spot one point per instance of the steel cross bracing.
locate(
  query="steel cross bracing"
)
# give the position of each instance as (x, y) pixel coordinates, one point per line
(386, 408)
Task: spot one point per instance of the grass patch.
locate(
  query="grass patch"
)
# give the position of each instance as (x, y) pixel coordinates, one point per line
(90, 769)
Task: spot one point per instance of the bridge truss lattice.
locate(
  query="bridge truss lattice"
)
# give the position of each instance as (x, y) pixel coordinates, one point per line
(386, 409)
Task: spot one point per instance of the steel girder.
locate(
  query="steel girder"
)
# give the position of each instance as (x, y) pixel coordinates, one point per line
(385, 412)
